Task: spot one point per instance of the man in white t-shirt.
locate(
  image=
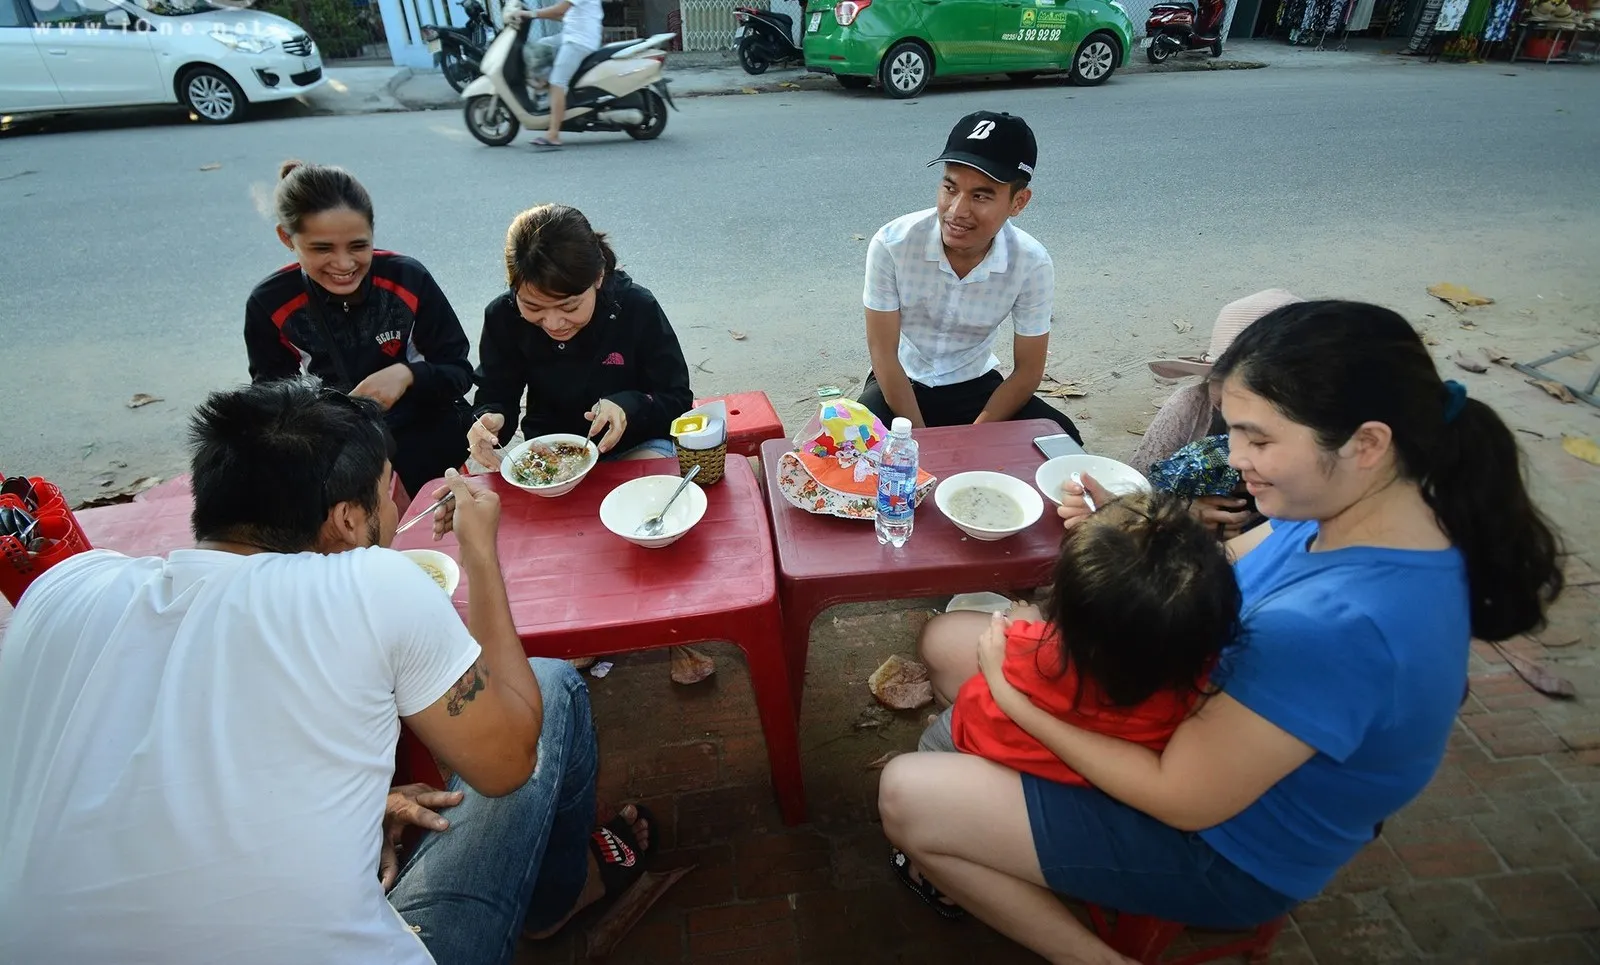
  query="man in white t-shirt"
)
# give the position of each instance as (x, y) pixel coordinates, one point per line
(941, 282)
(196, 753)
(580, 36)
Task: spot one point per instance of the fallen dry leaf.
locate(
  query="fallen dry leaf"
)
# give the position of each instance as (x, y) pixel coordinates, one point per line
(749, 90)
(1537, 676)
(1429, 339)
(1465, 361)
(901, 684)
(1555, 389)
(858, 237)
(882, 762)
(141, 399)
(1064, 390)
(872, 718)
(790, 84)
(1183, 328)
(1583, 448)
(1580, 357)
(690, 666)
(1496, 356)
(737, 336)
(210, 167)
(1469, 326)
(1458, 296)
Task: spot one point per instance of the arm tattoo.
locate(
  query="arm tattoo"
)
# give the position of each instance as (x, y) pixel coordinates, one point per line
(466, 688)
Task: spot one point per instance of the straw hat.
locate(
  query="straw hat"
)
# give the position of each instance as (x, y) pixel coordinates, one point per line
(1234, 318)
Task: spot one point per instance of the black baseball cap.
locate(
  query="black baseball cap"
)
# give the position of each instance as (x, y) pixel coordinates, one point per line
(999, 145)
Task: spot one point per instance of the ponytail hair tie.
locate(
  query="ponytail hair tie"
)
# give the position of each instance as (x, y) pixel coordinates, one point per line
(1455, 400)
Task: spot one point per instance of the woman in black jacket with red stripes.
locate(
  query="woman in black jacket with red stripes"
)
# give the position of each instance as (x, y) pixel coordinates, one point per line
(367, 322)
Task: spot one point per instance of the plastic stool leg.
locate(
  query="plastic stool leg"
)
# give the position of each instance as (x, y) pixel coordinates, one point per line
(769, 678)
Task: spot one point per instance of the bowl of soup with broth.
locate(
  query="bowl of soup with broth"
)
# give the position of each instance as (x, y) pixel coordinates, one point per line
(988, 505)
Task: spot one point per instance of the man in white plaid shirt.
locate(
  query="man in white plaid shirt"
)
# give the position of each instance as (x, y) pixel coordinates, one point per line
(941, 282)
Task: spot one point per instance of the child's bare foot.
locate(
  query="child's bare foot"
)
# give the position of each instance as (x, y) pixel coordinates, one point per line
(624, 861)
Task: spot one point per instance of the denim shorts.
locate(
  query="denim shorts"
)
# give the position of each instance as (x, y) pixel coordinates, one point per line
(661, 447)
(1099, 850)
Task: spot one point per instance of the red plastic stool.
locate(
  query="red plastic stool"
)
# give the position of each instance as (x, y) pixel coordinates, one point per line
(1147, 938)
(751, 421)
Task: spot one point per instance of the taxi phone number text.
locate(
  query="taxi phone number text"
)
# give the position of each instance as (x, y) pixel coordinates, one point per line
(1039, 33)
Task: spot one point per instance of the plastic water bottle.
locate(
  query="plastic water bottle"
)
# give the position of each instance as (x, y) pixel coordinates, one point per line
(897, 484)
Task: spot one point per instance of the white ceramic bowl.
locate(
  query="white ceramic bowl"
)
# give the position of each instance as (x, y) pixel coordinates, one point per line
(1118, 477)
(560, 488)
(445, 565)
(1032, 505)
(625, 507)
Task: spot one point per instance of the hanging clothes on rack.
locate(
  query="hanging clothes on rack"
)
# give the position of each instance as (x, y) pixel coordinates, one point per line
(1424, 28)
(1451, 13)
(1361, 16)
(1500, 21)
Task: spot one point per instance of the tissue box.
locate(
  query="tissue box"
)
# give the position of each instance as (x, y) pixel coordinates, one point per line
(700, 437)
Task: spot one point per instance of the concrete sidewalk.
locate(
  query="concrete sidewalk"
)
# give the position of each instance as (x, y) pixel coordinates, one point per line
(375, 89)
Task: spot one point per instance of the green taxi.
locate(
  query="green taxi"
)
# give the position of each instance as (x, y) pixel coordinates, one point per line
(903, 43)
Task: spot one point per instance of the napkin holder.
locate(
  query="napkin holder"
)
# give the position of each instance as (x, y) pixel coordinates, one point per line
(700, 437)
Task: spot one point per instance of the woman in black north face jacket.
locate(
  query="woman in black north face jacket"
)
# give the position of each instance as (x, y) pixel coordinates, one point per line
(371, 323)
(594, 351)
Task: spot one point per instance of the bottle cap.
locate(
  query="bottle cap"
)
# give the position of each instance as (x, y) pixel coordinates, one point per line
(901, 426)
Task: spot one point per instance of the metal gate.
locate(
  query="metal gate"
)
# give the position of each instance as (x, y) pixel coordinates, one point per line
(707, 24)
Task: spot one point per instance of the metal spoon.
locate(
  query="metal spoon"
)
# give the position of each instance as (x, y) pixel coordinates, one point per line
(652, 525)
(1088, 500)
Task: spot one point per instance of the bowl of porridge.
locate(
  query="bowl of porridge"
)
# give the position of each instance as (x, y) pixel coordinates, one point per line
(988, 505)
(550, 465)
(441, 568)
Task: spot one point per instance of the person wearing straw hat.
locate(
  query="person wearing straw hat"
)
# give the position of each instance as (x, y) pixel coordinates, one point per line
(1191, 413)
(941, 282)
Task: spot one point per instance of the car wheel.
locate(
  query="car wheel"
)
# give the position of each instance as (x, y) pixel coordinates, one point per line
(1094, 62)
(852, 82)
(906, 70)
(212, 95)
(490, 121)
(655, 118)
(749, 58)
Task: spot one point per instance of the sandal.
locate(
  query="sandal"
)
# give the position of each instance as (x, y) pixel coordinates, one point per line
(545, 144)
(618, 857)
(617, 852)
(924, 889)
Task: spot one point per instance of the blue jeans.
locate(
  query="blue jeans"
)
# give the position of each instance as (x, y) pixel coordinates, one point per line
(510, 862)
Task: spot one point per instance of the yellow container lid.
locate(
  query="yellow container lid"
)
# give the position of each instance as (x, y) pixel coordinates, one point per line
(683, 425)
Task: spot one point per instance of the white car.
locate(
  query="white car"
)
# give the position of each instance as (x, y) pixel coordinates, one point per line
(59, 55)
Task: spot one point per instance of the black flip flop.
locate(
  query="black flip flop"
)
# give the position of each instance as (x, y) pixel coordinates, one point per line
(924, 888)
(617, 853)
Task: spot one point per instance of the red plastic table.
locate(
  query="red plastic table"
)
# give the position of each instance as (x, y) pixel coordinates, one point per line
(578, 590)
(751, 421)
(824, 561)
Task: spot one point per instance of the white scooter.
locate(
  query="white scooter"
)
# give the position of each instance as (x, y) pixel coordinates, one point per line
(617, 88)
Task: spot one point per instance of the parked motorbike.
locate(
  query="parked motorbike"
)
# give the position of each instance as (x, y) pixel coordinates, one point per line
(458, 51)
(617, 88)
(1176, 26)
(764, 38)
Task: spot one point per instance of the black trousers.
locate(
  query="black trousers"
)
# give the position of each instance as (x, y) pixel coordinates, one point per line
(425, 449)
(961, 403)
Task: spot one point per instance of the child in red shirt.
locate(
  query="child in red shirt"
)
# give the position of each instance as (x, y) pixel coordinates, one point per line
(1147, 600)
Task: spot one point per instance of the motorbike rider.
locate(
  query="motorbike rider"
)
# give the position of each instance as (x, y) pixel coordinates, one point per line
(554, 60)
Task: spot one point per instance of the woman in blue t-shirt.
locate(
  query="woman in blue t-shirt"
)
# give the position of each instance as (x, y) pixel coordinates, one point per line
(1401, 529)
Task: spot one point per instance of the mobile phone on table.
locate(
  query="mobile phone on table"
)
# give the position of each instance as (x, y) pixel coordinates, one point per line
(1058, 445)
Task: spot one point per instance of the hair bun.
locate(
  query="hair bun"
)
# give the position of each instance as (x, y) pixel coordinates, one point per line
(287, 167)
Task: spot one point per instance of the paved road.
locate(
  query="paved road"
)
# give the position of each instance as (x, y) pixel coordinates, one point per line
(1159, 196)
